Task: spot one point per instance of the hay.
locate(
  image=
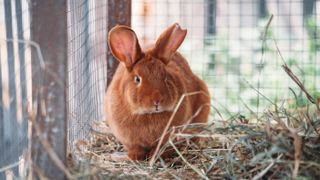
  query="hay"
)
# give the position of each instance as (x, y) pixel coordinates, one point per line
(283, 143)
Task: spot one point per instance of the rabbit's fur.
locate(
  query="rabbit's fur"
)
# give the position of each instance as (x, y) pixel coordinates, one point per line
(147, 86)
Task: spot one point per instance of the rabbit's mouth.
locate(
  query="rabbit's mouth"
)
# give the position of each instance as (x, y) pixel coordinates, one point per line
(153, 110)
(160, 109)
(156, 109)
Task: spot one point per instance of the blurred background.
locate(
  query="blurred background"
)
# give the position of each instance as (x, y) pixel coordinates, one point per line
(225, 47)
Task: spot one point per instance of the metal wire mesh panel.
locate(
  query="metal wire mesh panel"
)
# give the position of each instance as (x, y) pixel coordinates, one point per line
(87, 47)
(224, 45)
(15, 86)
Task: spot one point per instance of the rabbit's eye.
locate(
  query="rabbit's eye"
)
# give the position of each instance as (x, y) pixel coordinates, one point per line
(137, 79)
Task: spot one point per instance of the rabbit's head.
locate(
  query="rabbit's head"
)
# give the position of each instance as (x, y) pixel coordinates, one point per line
(147, 84)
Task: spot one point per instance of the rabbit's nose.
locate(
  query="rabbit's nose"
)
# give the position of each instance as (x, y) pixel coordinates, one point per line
(156, 98)
(156, 102)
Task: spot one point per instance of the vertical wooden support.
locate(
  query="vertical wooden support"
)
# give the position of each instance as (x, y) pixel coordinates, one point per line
(11, 66)
(2, 175)
(49, 30)
(21, 50)
(9, 148)
(211, 7)
(119, 12)
(308, 7)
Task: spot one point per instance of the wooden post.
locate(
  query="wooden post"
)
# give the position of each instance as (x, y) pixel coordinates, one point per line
(49, 133)
(119, 12)
(21, 47)
(9, 148)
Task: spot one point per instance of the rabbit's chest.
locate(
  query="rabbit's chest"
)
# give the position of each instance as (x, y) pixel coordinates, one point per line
(142, 131)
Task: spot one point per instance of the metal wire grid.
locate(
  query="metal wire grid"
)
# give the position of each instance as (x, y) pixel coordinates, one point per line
(224, 46)
(86, 75)
(15, 84)
(87, 49)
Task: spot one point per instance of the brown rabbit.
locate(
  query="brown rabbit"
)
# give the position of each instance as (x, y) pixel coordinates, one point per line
(147, 86)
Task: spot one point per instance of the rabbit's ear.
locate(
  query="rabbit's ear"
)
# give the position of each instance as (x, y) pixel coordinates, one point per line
(168, 42)
(124, 45)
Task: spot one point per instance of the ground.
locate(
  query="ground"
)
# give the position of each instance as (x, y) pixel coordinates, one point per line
(280, 143)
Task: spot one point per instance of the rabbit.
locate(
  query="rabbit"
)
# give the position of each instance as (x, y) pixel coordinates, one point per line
(146, 88)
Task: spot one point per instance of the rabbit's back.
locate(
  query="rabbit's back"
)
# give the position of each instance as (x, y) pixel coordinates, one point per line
(192, 83)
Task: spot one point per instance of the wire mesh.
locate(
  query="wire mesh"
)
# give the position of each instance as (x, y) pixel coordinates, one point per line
(224, 46)
(87, 49)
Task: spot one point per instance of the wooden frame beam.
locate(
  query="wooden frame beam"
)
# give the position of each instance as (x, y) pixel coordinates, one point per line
(119, 12)
(49, 30)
